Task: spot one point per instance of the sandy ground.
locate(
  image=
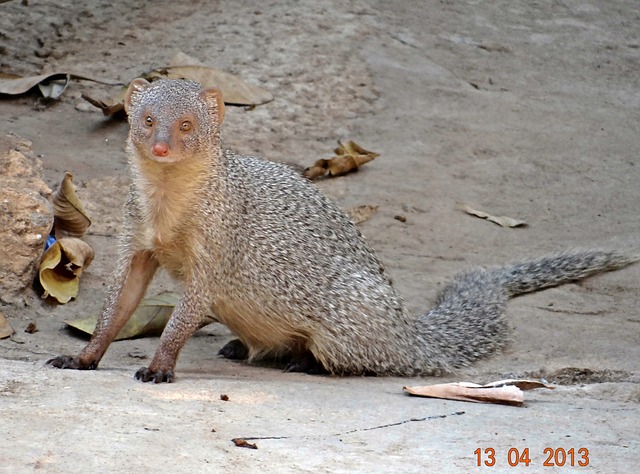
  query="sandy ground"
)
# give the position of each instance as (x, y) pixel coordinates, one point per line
(527, 109)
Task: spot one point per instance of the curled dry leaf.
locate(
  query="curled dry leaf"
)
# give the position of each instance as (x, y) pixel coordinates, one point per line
(51, 85)
(182, 59)
(111, 106)
(54, 88)
(5, 328)
(70, 218)
(503, 221)
(61, 267)
(505, 392)
(349, 157)
(243, 443)
(235, 90)
(522, 384)
(149, 318)
(359, 214)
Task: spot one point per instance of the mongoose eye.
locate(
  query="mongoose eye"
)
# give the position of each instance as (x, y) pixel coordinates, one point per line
(185, 126)
(148, 121)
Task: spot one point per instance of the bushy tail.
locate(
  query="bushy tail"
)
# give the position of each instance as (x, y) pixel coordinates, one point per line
(555, 270)
(468, 321)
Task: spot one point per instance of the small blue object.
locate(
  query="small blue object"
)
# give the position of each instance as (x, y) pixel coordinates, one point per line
(50, 241)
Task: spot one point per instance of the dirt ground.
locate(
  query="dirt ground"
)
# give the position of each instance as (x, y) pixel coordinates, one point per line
(520, 108)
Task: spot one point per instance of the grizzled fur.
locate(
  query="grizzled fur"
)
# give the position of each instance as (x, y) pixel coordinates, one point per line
(280, 264)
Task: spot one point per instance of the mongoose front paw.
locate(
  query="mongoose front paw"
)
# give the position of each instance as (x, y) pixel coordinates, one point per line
(70, 362)
(234, 350)
(155, 376)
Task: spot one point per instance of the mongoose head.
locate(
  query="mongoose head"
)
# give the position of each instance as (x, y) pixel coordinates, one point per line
(173, 120)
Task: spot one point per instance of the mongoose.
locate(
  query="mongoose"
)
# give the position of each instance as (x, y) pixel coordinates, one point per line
(279, 263)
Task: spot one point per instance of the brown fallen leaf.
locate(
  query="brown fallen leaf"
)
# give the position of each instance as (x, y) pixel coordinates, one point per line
(5, 328)
(470, 393)
(182, 59)
(522, 384)
(149, 318)
(53, 88)
(51, 85)
(70, 218)
(235, 90)
(61, 267)
(112, 106)
(317, 170)
(359, 214)
(503, 221)
(243, 443)
(349, 157)
(506, 392)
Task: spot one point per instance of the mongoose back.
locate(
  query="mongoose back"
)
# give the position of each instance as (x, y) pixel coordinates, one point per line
(279, 263)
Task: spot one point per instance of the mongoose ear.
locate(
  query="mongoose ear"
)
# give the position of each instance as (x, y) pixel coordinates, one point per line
(213, 97)
(135, 86)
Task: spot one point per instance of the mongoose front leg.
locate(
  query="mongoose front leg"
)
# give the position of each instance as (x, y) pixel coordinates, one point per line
(129, 284)
(187, 317)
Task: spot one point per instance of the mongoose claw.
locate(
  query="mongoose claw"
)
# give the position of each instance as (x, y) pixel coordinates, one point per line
(235, 350)
(156, 376)
(70, 362)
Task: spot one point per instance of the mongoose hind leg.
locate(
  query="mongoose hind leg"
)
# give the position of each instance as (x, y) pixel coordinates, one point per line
(305, 363)
(234, 350)
(301, 361)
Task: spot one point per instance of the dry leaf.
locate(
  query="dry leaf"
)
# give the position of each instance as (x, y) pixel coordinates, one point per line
(359, 214)
(52, 83)
(243, 443)
(61, 267)
(506, 392)
(349, 157)
(182, 59)
(235, 90)
(53, 88)
(508, 395)
(70, 218)
(112, 106)
(5, 328)
(503, 221)
(318, 170)
(149, 318)
(522, 384)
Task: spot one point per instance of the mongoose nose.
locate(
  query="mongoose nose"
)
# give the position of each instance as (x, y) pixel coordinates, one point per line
(160, 149)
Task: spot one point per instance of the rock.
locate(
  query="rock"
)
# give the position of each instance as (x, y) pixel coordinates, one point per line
(26, 217)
